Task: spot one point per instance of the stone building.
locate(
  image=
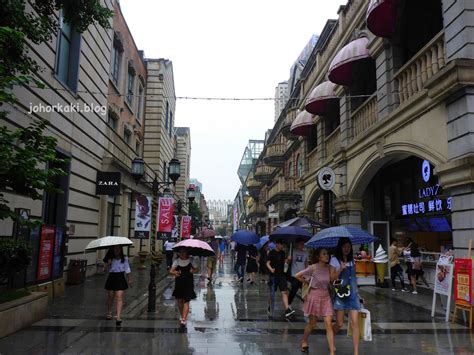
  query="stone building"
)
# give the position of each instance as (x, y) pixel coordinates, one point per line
(183, 154)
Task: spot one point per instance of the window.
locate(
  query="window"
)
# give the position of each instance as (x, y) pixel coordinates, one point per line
(165, 172)
(290, 169)
(171, 123)
(141, 98)
(116, 61)
(299, 166)
(67, 56)
(166, 115)
(131, 83)
(112, 120)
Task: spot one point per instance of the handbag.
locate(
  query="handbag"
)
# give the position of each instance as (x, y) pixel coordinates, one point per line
(306, 287)
(365, 325)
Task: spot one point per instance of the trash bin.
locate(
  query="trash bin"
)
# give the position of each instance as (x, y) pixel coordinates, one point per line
(76, 272)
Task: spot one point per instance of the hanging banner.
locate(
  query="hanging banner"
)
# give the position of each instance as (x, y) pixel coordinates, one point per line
(142, 217)
(463, 282)
(58, 253)
(175, 230)
(443, 282)
(164, 217)
(185, 227)
(45, 258)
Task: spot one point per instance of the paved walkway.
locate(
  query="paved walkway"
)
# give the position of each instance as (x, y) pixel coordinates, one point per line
(227, 318)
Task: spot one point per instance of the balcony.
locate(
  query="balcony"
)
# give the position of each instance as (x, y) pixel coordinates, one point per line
(257, 210)
(333, 142)
(264, 173)
(364, 117)
(284, 189)
(275, 154)
(427, 62)
(253, 186)
(286, 125)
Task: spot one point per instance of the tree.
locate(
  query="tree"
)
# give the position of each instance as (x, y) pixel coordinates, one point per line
(26, 153)
(196, 217)
(221, 231)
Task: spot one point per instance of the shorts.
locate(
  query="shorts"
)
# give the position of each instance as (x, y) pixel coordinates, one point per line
(278, 281)
(211, 262)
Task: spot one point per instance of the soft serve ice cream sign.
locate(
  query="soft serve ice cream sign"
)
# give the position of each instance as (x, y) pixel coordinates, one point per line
(380, 260)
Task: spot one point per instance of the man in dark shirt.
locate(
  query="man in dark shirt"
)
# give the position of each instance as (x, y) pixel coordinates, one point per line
(276, 265)
(240, 262)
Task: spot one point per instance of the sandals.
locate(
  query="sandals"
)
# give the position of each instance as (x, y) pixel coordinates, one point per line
(118, 322)
(304, 348)
(108, 316)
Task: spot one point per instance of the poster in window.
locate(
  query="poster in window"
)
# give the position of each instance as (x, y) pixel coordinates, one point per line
(57, 255)
(463, 282)
(45, 257)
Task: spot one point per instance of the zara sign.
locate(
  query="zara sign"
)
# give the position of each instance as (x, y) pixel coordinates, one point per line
(108, 183)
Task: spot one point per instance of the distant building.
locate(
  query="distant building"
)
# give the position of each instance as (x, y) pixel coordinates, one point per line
(298, 65)
(218, 210)
(183, 154)
(281, 98)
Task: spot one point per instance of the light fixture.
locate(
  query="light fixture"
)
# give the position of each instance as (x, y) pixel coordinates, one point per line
(191, 194)
(138, 168)
(174, 171)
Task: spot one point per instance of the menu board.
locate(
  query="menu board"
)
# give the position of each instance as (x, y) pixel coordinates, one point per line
(463, 282)
(45, 257)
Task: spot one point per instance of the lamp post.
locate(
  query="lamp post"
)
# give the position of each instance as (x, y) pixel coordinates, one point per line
(138, 173)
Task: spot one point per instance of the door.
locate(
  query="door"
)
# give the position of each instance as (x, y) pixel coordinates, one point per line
(380, 229)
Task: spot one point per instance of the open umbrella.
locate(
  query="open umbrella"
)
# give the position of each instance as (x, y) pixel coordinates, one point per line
(329, 237)
(245, 237)
(107, 242)
(290, 234)
(195, 247)
(263, 240)
(303, 222)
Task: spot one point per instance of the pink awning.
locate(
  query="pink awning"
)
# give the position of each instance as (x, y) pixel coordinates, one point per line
(382, 17)
(302, 124)
(319, 99)
(341, 68)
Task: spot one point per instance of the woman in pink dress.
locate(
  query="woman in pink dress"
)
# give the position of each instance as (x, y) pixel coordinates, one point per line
(317, 303)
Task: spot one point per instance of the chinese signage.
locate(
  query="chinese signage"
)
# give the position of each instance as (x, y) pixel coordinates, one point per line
(45, 257)
(165, 219)
(422, 207)
(185, 227)
(463, 282)
(108, 183)
(142, 217)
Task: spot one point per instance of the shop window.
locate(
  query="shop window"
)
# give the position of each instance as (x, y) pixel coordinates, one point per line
(68, 54)
(418, 23)
(55, 204)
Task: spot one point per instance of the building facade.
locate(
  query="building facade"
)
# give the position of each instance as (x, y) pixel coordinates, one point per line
(183, 154)
(393, 128)
(281, 97)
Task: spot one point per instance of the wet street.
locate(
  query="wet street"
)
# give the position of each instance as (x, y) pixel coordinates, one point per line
(229, 318)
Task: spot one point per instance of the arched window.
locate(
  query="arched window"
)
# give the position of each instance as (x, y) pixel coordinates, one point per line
(299, 165)
(290, 169)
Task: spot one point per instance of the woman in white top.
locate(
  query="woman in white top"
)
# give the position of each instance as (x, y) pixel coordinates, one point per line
(116, 263)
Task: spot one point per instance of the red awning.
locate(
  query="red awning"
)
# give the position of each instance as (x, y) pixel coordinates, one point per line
(302, 124)
(382, 17)
(319, 99)
(340, 70)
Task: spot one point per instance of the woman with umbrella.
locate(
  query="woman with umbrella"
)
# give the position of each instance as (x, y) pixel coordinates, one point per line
(116, 263)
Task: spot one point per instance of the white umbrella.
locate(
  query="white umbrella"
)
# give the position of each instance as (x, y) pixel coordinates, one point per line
(109, 241)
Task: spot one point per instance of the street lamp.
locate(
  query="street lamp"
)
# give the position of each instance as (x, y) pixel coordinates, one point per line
(191, 194)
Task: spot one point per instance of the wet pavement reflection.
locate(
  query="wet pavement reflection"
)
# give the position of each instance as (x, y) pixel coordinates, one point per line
(231, 318)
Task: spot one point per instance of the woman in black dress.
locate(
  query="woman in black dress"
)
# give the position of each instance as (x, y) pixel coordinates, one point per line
(183, 269)
(252, 263)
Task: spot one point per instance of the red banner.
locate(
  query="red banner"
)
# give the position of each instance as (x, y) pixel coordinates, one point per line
(165, 215)
(45, 258)
(463, 282)
(185, 227)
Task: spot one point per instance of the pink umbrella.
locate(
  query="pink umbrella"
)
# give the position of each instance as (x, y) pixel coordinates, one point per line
(195, 247)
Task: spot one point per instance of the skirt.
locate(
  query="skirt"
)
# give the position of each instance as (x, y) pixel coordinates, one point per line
(252, 265)
(116, 282)
(184, 290)
(318, 303)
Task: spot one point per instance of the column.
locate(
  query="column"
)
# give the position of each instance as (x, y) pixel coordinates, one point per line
(458, 17)
(345, 116)
(349, 211)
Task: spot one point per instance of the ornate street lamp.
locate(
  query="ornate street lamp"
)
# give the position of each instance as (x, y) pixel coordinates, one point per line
(191, 194)
(174, 171)
(138, 168)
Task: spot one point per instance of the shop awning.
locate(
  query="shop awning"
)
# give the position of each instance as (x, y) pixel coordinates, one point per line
(382, 17)
(320, 98)
(302, 124)
(342, 66)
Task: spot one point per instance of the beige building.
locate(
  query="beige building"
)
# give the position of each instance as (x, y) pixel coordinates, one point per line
(183, 154)
(388, 109)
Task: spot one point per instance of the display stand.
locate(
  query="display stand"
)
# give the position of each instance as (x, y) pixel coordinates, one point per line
(443, 283)
(464, 273)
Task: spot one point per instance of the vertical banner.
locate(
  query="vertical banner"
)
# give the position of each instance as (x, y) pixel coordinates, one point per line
(164, 225)
(45, 257)
(142, 217)
(58, 255)
(463, 282)
(185, 227)
(175, 229)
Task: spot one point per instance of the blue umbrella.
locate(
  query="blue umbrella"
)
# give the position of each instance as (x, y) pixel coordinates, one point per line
(290, 234)
(245, 237)
(328, 238)
(264, 240)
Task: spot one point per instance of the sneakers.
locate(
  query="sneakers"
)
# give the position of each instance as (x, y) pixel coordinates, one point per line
(289, 312)
(405, 290)
(415, 292)
(394, 289)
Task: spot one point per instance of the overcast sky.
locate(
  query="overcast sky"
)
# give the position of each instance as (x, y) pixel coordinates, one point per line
(222, 48)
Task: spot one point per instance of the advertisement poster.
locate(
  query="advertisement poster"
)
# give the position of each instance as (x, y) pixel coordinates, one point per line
(57, 267)
(31, 272)
(165, 217)
(142, 217)
(185, 227)
(45, 256)
(175, 231)
(443, 278)
(463, 282)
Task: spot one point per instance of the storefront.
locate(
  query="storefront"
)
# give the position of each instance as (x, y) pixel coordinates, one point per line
(404, 200)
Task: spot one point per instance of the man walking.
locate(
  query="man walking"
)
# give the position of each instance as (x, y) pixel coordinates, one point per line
(276, 265)
(169, 244)
(299, 262)
(240, 263)
(212, 261)
(395, 268)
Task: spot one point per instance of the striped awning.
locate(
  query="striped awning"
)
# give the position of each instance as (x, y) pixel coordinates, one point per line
(342, 66)
(382, 17)
(320, 98)
(302, 124)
